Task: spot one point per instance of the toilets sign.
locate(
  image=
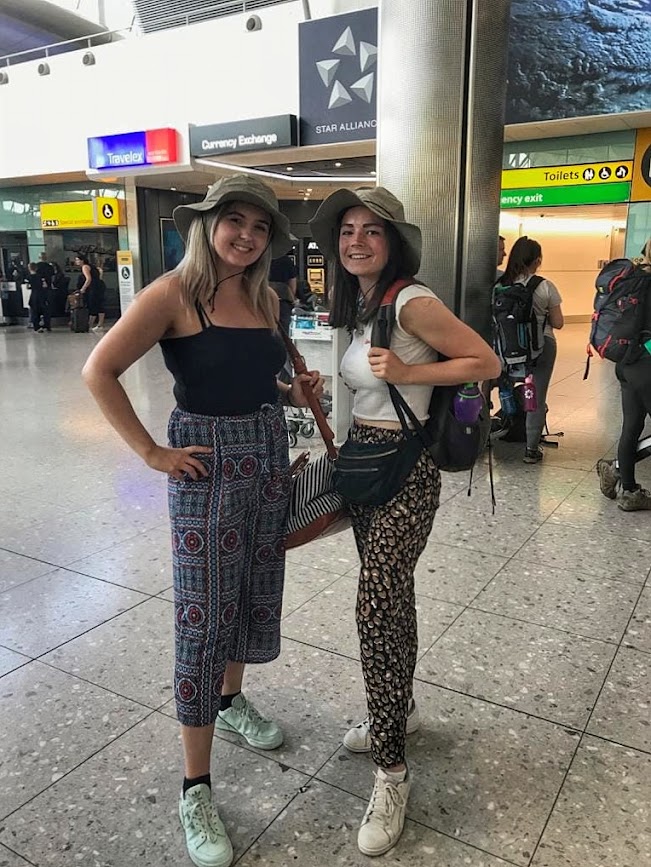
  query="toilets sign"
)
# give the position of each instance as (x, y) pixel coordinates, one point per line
(584, 184)
(565, 176)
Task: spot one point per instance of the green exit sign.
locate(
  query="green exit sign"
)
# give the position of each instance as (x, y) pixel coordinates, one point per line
(541, 197)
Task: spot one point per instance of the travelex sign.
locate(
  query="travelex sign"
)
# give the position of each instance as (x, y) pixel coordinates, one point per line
(262, 133)
(140, 148)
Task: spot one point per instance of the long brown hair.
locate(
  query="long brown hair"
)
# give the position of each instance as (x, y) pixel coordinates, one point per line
(345, 287)
(523, 254)
(197, 270)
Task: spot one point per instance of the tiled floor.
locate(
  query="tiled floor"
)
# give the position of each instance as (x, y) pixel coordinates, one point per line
(534, 671)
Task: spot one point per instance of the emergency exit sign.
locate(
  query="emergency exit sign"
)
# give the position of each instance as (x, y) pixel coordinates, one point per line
(540, 197)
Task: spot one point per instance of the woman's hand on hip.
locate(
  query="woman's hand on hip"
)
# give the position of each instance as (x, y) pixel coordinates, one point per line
(386, 365)
(296, 394)
(178, 463)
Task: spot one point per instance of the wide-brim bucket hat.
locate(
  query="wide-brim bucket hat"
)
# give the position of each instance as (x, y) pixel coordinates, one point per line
(325, 223)
(239, 188)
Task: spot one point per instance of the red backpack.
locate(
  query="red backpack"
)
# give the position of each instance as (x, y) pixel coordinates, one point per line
(623, 291)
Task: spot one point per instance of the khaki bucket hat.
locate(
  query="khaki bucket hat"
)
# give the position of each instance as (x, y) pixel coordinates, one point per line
(239, 188)
(324, 224)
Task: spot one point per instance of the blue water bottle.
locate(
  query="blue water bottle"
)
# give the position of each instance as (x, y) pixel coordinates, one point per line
(507, 399)
(468, 403)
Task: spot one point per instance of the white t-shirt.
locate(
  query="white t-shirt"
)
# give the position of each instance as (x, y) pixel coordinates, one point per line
(371, 399)
(545, 296)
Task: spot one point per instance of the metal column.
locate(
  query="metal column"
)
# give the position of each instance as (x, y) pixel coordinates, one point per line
(442, 86)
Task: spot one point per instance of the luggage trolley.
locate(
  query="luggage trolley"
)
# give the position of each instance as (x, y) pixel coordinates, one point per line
(313, 338)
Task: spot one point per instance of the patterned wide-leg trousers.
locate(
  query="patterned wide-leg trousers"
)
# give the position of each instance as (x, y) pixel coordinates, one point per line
(228, 547)
(390, 539)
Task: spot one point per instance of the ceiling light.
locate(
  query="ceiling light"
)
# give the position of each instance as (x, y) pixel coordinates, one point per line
(309, 189)
(173, 189)
(290, 168)
(337, 165)
(373, 172)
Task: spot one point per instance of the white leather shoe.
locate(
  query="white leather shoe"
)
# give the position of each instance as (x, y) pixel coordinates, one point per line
(358, 739)
(385, 816)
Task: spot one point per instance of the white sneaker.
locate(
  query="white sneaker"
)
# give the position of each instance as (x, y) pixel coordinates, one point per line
(385, 816)
(205, 836)
(358, 739)
(98, 329)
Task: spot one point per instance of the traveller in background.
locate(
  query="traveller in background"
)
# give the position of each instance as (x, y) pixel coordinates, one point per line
(501, 255)
(370, 246)
(227, 463)
(524, 261)
(617, 479)
(93, 289)
(45, 269)
(488, 385)
(282, 279)
(60, 284)
(39, 299)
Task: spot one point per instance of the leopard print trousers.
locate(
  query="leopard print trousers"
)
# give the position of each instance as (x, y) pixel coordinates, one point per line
(390, 539)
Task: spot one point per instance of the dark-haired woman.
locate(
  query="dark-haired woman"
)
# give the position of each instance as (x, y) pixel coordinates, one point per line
(524, 261)
(365, 235)
(91, 286)
(227, 464)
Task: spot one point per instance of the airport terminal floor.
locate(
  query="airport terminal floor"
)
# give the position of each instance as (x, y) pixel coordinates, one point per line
(533, 679)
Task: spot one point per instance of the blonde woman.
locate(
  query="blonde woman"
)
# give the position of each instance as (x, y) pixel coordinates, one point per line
(227, 465)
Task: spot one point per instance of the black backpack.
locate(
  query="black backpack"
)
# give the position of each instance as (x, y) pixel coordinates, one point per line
(618, 321)
(454, 446)
(519, 333)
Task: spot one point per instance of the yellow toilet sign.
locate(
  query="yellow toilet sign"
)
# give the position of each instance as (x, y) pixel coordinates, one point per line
(567, 176)
(87, 214)
(641, 188)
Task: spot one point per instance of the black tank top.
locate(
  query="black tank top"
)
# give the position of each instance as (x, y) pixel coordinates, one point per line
(94, 279)
(224, 371)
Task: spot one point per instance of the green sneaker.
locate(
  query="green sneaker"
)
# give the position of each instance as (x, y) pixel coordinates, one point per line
(205, 836)
(634, 501)
(243, 719)
(609, 478)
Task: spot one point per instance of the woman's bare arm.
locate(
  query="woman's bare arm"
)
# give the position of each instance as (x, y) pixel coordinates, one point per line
(470, 357)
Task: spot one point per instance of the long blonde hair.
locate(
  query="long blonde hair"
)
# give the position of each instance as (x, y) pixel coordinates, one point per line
(197, 270)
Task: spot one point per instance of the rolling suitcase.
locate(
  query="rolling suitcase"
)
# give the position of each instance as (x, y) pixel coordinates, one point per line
(79, 319)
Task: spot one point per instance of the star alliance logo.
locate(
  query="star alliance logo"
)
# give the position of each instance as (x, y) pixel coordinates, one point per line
(330, 70)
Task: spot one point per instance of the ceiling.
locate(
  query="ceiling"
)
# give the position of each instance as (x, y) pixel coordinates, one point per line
(26, 25)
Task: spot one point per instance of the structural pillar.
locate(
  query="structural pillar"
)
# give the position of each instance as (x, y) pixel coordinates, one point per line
(441, 95)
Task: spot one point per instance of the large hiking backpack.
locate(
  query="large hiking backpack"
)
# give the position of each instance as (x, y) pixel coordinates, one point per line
(619, 311)
(519, 334)
(455, 446)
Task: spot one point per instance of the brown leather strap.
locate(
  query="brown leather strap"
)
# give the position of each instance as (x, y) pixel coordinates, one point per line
(298, 363)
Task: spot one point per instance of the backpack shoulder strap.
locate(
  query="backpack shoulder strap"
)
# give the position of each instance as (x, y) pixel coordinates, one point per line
(534, 282)
(385, 318)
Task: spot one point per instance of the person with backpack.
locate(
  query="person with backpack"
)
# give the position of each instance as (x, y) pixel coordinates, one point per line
(526, 311)
(617, 478)
(371, 247)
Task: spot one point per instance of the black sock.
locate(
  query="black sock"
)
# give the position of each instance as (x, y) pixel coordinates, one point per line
(196, 781)
(227, 700)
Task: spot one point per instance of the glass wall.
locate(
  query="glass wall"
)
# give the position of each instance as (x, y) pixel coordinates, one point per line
(569, 150)
(638, 228)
